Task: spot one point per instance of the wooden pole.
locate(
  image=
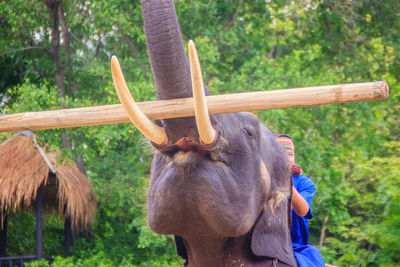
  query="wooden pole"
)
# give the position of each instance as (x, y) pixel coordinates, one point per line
(184, 107)
(39, 223)
(3, 234)
(67, 235)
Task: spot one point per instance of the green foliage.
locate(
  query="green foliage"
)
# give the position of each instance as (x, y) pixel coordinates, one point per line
(100, 260)
(350, 150)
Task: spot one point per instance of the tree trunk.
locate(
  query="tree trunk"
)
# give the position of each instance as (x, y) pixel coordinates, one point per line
(56, 13)
(66, 44)
(81, 163)
(52, 9)
(323, 229)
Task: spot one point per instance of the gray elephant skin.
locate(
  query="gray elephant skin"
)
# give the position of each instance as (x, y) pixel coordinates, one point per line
(227, 202)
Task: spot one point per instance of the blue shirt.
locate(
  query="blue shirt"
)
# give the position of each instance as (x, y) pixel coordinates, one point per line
(299, 229)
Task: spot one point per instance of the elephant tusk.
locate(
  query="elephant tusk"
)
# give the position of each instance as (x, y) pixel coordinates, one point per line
(152, 131)
(206, 131)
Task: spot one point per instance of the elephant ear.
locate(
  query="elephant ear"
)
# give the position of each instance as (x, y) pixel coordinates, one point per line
(271, 233)
(270, 236)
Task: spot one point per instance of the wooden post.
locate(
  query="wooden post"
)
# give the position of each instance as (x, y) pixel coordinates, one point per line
(67, 235)
(39, 223)
(184, 107)
(3, 234)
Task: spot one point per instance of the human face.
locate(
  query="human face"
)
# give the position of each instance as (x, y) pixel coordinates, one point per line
(290, 154)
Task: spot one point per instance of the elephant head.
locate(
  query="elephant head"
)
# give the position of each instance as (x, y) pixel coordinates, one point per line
(219, 183)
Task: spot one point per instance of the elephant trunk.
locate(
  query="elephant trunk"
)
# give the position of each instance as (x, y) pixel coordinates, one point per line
(167, 55)
(169, 64)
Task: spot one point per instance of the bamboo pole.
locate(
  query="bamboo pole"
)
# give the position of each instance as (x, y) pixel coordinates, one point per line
(184, 107)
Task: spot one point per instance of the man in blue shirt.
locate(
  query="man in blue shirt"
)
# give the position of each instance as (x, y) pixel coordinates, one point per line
(303, 192)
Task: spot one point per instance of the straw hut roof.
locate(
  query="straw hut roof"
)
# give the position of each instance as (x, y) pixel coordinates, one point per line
(25, 166)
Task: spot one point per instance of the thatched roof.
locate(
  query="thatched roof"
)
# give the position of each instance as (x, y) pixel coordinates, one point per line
(25, 166)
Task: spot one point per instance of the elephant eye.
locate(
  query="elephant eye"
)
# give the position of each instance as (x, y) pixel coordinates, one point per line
(249, 131)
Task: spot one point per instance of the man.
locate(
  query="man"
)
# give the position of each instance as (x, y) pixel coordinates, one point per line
(303, 192)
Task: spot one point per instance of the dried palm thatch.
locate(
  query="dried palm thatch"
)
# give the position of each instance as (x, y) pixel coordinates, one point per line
(24, 167)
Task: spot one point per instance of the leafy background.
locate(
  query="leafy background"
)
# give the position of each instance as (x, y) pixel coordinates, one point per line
(351, 151)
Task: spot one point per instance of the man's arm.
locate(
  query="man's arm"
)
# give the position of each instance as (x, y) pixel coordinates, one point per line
(299, 204)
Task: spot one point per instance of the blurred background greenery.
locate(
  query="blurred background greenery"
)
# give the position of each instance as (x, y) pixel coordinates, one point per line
(351, 151)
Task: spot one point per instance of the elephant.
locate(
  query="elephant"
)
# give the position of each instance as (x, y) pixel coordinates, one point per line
(219, 183)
